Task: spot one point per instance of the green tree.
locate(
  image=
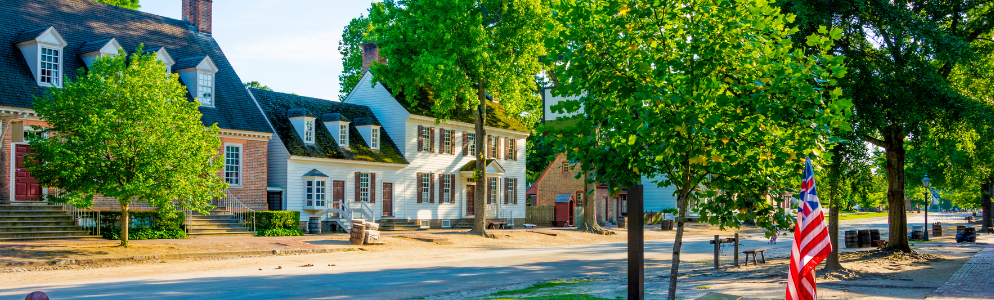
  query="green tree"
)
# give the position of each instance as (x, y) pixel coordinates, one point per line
(900, 55)
(256, 85)
(453, 55)
(848, 176)
(129, 4)
(708, 96)
(126, 130)
(350, 47)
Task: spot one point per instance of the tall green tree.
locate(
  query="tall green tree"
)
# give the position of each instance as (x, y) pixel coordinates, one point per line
(900, 55)
(708, 96)
(848, 176)
(124, 129)
(129, 4)
(256, 85)
(453, 55)
(350, 47)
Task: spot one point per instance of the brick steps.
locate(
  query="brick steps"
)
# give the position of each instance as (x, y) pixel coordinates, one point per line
(219, 222)
(399, 225)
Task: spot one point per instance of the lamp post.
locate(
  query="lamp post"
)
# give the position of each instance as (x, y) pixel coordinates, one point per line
(925, 182)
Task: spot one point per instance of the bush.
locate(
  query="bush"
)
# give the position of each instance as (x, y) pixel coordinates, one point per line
(145, 225)
(279, 232)
(277, 219)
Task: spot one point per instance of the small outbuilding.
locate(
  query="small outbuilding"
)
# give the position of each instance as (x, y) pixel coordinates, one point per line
(564, 211)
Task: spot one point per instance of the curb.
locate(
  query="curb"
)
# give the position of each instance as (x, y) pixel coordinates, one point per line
(63, 262)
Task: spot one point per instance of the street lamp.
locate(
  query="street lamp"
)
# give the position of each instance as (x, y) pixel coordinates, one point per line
(925, 182)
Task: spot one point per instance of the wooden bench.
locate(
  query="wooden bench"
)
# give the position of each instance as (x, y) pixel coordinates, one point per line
(880, 243)
(529, 226)
(496, 225)
(753, 252)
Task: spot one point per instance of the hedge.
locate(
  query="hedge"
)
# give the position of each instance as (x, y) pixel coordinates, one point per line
(277, 223)
(144, 225)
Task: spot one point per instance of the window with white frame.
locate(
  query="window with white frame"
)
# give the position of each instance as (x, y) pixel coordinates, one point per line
(426, 187)
(493, 147)
(471, 139)
(447, 141)
(309, 131)
(492, 197)
(374, 141)
(512, 150)
(343, 135)
(50, 62)
(233, 164)
(364, 187)
(315, 193)
(426, 139)
(446, 189)
(205, 89)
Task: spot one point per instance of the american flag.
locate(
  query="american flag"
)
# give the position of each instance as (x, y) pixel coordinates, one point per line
(811, 241)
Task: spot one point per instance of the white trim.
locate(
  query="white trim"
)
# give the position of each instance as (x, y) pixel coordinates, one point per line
(241, 163)
(246, 135)
(417, 119)
(345, 161)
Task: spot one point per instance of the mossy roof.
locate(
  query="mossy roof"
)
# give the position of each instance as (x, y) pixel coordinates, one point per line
(276, 105)
(471, 166)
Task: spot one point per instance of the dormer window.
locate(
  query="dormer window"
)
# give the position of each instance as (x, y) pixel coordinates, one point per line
(51, 59)
(162, 55)
(338, 127)
(370, 131)
(303, 122)
(43, 49)
(198, 73)
(205, 89)
(309, 131)
(90, 51)
(375, 141)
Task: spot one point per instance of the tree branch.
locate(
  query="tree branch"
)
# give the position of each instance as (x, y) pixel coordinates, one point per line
(873, 140)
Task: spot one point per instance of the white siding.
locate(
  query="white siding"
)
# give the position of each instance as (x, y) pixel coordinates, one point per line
(391, 115)
(276, 161)
(428, 162)
(339, 170)
(657, 198)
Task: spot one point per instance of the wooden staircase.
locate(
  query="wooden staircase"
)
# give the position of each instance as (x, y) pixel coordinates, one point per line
(399, 225)
(38, 221)
(220, 222)
(463, 224)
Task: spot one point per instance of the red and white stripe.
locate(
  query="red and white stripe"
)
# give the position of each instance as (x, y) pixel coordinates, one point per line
(811, 241)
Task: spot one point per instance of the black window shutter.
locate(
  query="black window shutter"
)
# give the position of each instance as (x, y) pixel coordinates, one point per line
(357, 199)
(431, 189)
(431, 140)
(441, 188)
(465, 143)
(421, 141)
(420, 188)
(372, 187)
(452, 188)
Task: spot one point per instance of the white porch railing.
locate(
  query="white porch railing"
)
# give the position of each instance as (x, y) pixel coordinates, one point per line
(507, 215)
(227, 205)
(86, 218)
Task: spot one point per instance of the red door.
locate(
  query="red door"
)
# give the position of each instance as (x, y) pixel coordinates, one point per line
(25, 187)
(470, 208)
(337, 194)
(387, 199)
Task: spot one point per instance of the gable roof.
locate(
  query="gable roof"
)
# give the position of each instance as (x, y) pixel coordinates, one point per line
(278, 106)
(81, 21)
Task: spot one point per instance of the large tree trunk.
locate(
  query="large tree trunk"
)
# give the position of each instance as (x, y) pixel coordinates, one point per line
(480, 203)
(986, 191)
(681, 204)
(590, 211)
(125, 223)
(895, 154)
(832, 264)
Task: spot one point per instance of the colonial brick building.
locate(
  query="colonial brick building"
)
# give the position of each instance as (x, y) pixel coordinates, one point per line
(44, 42)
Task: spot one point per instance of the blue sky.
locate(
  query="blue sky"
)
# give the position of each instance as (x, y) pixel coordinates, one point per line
(291, 46)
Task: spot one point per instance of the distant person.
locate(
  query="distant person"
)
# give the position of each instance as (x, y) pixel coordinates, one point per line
(773, 239)
(36, 296)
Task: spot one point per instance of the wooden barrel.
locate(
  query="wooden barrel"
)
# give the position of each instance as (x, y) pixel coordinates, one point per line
(874, 234)
(960, 228)
(852, 241)
(358, 234)
(314, 225)
(970, 234)
(864, 238)
(937, 229)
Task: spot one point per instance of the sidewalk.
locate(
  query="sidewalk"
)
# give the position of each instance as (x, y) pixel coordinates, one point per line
(972, 281)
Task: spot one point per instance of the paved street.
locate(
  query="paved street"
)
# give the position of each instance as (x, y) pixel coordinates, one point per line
(411, 279)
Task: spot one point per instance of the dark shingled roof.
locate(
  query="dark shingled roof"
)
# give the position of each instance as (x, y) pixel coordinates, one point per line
(188, 62)
(81, 21)
(296, 112)
(315, 173)
(333, 118)
(365, 121)
(277, 107)
(91, 46)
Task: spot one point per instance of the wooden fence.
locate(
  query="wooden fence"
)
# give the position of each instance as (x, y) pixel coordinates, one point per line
(539, 215)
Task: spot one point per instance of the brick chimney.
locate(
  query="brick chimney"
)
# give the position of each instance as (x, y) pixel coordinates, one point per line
(198, 13)
(370, 53)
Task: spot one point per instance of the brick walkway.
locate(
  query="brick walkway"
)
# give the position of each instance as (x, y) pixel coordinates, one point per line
(975, 280)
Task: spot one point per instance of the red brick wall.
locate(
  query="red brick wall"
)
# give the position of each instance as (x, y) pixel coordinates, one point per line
(554, 182)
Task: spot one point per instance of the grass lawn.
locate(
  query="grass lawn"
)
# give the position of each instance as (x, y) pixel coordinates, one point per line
(550, 290)
(859, 216)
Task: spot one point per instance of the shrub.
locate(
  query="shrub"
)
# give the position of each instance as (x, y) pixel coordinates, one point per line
(145, 233)
(144, 225)
(277, 219)
(279, 232)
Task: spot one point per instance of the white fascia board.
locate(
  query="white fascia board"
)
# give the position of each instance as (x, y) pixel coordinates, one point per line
(470, 127)
(345, 161)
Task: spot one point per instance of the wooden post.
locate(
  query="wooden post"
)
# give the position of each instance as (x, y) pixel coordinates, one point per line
(717, 245)
(636, 244)
(736, 249)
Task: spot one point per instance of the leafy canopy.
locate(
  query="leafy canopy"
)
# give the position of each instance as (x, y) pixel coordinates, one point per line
(350, 47)
(129, 4)
(125, 130)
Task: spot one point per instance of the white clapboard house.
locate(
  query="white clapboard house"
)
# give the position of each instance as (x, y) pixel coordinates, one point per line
(379, 158)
